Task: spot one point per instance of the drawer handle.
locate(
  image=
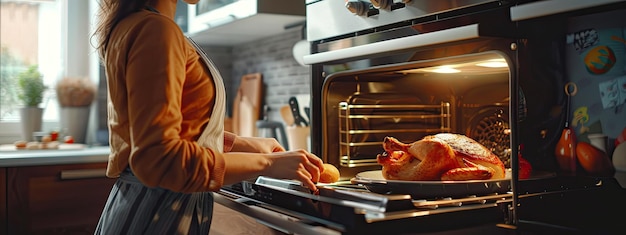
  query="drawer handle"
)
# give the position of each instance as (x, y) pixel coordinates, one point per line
(83, 174)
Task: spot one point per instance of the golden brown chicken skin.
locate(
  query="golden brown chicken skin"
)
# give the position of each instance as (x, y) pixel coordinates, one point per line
(443, 156)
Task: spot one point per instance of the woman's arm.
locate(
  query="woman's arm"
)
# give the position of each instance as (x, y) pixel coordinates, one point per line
(229, 140)
(234, 143)
(250, 157)
(299, 165)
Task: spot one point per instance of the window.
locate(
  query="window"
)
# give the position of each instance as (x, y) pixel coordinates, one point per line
(39, 32)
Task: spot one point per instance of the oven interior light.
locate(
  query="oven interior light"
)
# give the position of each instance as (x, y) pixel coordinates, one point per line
(483, 66)
(495, 63)
(438, 69)
(445, 69)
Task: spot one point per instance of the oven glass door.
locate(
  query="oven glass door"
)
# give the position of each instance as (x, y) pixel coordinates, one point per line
(465, 91)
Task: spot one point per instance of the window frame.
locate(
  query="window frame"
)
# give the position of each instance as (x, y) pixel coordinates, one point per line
(77, 20)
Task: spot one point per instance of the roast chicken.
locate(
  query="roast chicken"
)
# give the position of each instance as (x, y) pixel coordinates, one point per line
(443, 156)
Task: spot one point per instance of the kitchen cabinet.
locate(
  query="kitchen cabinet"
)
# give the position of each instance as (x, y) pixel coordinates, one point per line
(53, 199)
(228, 221)
(241, 21)
(3, 200)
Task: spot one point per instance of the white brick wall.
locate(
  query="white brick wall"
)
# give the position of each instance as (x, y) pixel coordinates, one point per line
(283, 77)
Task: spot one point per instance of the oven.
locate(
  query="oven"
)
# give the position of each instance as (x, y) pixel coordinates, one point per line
(491, 70)
(456, 68)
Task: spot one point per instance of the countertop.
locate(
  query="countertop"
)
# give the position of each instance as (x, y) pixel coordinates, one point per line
(89, 154)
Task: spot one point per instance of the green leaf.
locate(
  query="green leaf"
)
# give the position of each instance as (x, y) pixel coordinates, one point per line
(31, 86)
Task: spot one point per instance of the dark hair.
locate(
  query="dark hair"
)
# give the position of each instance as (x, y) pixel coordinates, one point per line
(110, 13)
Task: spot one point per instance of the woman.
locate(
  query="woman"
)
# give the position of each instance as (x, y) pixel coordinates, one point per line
(165, 114)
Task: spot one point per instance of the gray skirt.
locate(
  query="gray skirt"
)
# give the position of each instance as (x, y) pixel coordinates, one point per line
(133, 208)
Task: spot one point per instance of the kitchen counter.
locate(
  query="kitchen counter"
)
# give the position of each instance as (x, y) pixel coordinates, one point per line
(90, 154)
(53, 191)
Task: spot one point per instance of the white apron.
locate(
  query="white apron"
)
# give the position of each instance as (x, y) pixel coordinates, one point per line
(213, 135)
(133, 208)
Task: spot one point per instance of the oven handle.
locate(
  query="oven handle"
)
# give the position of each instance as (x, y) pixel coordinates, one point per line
(545, 8)
(420, 40)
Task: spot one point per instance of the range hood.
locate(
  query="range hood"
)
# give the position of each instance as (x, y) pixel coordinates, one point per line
(243, 21)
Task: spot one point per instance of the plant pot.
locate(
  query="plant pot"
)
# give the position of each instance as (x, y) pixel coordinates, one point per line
(31, 118)
(75, 121)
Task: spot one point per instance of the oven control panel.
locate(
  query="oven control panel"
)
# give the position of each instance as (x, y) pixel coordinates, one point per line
(384, 4)
(332, 18)
(373, 7)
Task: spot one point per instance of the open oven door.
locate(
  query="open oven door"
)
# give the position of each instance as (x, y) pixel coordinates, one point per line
(434, 44)
(531, 54)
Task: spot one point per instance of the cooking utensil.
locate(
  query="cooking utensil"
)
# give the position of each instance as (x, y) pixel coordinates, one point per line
(247, 106)
(285, 112)
(295, 110)
(565, 150)
(375, 182)
(307, 110)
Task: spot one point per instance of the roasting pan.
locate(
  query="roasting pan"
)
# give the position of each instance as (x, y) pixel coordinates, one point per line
(375, 182)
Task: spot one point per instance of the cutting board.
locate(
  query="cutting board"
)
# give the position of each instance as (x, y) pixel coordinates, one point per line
(247, 105)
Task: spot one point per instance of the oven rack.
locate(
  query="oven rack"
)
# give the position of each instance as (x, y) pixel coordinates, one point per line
(362, 127)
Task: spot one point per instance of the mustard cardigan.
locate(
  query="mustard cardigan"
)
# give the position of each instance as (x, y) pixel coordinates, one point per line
(160, 97)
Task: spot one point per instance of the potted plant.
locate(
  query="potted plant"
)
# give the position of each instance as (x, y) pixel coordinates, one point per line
(75, 96)
(31, 92)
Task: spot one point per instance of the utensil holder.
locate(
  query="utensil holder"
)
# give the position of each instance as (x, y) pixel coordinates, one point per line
(298, 137)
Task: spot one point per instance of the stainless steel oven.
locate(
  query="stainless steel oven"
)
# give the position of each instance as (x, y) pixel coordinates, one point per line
(410, 69)
(494, 71)
(379, 67)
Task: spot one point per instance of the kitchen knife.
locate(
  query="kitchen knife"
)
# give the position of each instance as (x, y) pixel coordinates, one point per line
(295, 110)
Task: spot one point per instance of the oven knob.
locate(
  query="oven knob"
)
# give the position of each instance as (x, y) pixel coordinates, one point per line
(357, 7)
(381, 4)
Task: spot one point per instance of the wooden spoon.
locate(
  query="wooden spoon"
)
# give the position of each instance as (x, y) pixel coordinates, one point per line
(285, 112)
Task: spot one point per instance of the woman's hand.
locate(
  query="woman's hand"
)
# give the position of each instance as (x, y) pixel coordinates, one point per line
(299, 165)
(273, 161)
(256, 145)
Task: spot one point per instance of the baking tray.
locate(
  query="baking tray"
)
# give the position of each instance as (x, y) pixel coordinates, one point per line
(375, 182)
